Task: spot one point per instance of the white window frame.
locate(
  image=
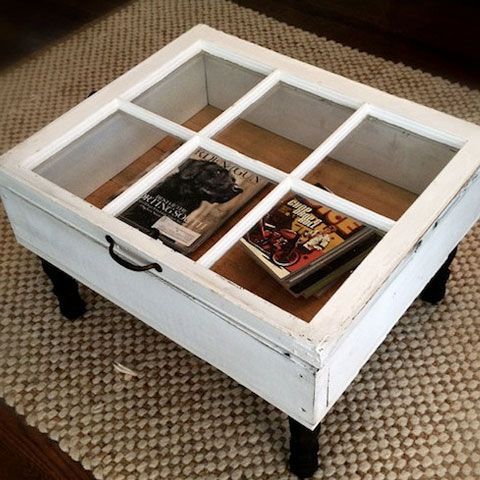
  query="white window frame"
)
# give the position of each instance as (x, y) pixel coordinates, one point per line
(314, 341)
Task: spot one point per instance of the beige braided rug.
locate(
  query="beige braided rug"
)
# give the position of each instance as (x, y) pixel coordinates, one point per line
(412, 413)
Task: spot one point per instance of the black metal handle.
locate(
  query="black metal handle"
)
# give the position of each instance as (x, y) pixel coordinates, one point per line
(125, 263)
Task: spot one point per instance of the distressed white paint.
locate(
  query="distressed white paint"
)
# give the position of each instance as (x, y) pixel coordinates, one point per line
(261, 318)
(381, 287)
(223, 50)
(400, 241)
(68, 136)
(300, 116)
(110, 146)
(156, 120)
(394, 154)
(226, 82)
(166, 308)
(413, 125)
(179, 95)
(379, 315)
(202, 80)
(314, 159)
(241, 105)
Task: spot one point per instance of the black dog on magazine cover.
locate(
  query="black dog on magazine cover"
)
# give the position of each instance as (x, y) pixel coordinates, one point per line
(198, 181)
(182, 193)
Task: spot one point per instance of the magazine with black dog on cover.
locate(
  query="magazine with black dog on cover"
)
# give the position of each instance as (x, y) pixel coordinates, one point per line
(186, 207)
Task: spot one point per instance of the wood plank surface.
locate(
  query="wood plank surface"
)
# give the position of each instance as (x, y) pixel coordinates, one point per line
(261, 144)
(361, 188)
(136, 170)
(284, 154)
(238, 267)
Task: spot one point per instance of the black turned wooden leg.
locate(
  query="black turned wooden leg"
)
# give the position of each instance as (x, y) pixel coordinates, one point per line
(65, 289)
(303, 449)
(436, 288)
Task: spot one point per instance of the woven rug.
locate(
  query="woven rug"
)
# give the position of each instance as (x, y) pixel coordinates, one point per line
(412, 413)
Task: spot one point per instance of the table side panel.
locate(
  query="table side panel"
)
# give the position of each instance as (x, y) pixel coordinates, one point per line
(282, 380)
(381, 314)
(268, 323)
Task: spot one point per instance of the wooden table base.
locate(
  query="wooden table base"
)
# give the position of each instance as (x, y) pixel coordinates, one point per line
(303, 460)
(436, 288)
(65, 289)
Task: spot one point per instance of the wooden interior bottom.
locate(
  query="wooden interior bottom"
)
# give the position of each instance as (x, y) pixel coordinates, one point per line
(236, 265)
(345, 181)
(361, 188)
(137, 169)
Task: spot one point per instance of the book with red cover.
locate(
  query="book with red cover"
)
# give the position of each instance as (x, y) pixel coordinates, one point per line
(299, 236)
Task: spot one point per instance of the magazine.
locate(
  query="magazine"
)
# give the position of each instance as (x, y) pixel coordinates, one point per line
(186, 207)
(298, 237)
(342, 264)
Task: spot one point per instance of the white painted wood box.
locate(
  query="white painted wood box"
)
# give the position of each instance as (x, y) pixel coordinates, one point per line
(402, 168)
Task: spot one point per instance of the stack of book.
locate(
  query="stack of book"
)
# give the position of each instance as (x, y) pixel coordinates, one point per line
(306, 246)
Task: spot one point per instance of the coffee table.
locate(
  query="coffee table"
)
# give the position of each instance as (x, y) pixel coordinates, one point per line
(404, 169)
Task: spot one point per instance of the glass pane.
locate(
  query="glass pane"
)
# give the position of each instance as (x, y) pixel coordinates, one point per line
(197, 203)
(284, 126)
(298, 255)
(109, 158)
(382, 167)
(199, 90)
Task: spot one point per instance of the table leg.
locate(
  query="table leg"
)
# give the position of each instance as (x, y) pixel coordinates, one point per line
(303, 449)
(436, 288)
(65, 289)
